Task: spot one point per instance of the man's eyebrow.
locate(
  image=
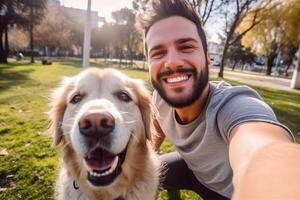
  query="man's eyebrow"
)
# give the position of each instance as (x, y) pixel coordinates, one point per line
(159, 46)
(184, 40)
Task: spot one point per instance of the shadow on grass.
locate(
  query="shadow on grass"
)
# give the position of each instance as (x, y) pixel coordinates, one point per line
(10, 78)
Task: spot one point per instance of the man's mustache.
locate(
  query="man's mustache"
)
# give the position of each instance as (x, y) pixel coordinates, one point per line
(182, 70)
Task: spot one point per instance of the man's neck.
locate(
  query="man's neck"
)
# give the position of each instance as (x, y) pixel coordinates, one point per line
(187, 114)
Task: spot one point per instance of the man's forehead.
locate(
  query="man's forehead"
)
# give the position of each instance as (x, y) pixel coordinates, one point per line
(171, 29)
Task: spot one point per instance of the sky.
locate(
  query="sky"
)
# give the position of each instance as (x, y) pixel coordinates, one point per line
(105, 7)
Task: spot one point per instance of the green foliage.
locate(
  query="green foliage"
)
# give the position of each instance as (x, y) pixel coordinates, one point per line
(279, 31)
(29, 170)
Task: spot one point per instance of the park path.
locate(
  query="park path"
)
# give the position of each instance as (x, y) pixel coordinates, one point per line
(256, 79)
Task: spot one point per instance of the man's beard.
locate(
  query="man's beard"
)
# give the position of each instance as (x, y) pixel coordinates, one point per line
(200, 84)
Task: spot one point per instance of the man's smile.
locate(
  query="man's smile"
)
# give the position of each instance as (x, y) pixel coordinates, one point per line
(177, 78)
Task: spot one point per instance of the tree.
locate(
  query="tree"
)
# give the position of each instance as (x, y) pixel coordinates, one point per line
(278, 35)
(129, 36)
(54, 32)
(18, 39)
(206, 7)
(239, 54)
(139, 5)
(234, 14)
(23, 13)
(103, 38)
(32, 12)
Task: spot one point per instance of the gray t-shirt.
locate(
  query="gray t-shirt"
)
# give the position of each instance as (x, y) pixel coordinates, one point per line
(203, 143)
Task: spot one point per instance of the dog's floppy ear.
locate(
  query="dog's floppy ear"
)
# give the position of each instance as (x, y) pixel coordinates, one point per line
(145, 105)
(57, 109)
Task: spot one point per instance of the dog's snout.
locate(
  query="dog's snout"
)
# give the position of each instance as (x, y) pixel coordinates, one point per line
(96, 124)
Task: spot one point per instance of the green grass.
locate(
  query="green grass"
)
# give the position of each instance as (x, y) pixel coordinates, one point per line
(29, 170)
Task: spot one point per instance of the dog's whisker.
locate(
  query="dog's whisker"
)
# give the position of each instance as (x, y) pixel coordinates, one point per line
(130, 122)
(134, 137)
(126, 112)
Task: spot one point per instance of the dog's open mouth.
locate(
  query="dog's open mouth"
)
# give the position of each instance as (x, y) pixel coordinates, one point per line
(104, 167)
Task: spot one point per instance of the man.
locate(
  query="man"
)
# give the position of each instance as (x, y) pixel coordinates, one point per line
(225, 137)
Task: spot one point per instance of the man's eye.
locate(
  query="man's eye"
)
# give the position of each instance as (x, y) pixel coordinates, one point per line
(76, 99)
(186, 49)
(123, 96)
(157, 55)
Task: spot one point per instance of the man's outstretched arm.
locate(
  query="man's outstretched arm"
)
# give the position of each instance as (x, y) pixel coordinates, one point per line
(264, 162)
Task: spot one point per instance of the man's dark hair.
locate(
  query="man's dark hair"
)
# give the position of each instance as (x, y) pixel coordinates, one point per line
(161, 9)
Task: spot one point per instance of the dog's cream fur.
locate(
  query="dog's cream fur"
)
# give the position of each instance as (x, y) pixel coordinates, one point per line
(139, 177)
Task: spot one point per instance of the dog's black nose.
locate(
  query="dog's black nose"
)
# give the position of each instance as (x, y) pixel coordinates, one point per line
(96, 124)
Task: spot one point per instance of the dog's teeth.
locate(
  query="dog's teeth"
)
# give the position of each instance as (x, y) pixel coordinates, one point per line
(115, 163)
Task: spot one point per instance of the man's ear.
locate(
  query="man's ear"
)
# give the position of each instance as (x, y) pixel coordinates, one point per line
(145, 106)
(208, 58)
(57, 109)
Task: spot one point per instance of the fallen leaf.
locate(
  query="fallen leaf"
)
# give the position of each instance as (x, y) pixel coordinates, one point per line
(3, 152)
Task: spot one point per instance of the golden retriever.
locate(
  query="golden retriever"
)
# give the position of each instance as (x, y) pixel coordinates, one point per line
(101, 120)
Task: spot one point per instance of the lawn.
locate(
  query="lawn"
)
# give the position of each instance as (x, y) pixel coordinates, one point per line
(29, 169)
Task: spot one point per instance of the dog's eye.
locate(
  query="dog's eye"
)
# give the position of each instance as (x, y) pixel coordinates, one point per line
(123, 96)
(76, 99)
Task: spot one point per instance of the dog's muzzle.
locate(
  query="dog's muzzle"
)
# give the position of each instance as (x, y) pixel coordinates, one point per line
(103, 166)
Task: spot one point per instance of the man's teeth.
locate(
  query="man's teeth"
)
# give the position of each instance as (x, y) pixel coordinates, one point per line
(111, 170)
(177, 79)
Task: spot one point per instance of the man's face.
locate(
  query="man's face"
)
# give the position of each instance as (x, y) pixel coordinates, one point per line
(177, 61)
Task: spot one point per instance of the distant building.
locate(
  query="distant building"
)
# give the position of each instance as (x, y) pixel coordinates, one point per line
(215, 53)
(77, 14)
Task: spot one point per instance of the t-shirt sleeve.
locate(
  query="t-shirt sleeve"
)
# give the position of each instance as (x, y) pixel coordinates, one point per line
(244, 108)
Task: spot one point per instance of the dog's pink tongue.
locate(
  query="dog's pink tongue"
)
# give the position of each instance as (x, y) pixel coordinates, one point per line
(100, 164)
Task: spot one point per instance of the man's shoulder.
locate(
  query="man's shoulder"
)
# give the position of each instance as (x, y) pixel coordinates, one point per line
(221, 90)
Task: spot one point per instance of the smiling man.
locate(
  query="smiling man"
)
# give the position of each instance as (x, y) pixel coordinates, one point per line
(225, 137)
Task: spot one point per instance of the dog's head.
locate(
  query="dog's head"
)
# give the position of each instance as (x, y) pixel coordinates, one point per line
(96, 114)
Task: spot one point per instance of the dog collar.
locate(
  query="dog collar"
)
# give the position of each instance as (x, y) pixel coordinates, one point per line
(75, 186)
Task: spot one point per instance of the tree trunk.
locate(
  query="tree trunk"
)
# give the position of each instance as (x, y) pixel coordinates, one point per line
(3, 57)
(234, 65)
(6, 41)
(270, 64)
(120, 58)
(287, 69)
(221, 72)
(45, 51)
(131, 60)
(242, 67)
(31, 43)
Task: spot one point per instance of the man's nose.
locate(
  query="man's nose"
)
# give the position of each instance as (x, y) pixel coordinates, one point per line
(173, 59)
